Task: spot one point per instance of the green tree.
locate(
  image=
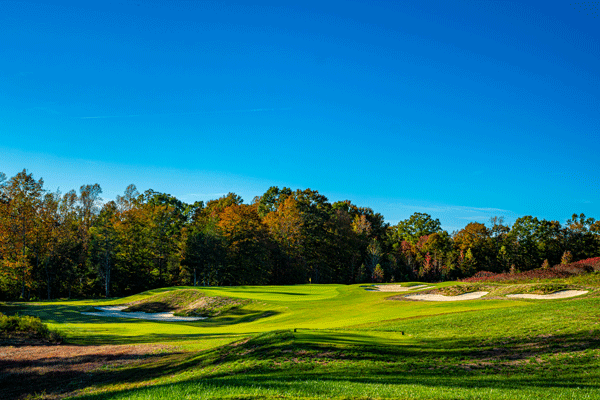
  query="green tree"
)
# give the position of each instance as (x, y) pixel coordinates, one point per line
(204, 252)
(165, 216)
(343, 242)
(415, 227)
(582, 237)
(272, 200)
(534, 241)
(316, 213)
(104, 242)
(134, 258)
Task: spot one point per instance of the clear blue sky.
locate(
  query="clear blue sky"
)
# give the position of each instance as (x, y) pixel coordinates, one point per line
(461, 109)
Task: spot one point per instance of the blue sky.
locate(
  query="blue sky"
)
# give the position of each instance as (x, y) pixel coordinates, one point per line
(463, 109)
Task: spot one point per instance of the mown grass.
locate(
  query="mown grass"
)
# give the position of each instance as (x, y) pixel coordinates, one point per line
(344, 342)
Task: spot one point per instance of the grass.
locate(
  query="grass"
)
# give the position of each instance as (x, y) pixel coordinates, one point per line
(344, 342)
(188, 302)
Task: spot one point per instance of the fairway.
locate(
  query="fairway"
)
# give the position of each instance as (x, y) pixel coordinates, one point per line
(339, 341)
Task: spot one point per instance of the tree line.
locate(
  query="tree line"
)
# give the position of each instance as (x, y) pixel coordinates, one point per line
(76, 245)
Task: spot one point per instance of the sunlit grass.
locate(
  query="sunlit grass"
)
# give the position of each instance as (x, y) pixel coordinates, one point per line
(345, 342)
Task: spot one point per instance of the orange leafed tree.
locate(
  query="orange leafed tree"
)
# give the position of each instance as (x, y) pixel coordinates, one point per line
(22, 196)
(248, 245)
(285, 228)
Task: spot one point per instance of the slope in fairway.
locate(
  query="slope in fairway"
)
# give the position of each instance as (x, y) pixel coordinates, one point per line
(336, 341)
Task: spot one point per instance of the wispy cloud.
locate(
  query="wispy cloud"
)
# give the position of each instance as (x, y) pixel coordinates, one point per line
(45, 110)
(110, 116)
(452, 208)
(452, 217)
(250, 110)
(204, 194)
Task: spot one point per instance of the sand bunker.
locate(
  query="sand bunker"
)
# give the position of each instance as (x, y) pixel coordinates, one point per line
(396, 288)
(116, 312)
(558, 295)
(439, 297)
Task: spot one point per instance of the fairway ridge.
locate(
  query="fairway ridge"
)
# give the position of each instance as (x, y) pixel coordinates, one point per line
(440, 297)
(398, 288)
(563, 294)
(326, 341)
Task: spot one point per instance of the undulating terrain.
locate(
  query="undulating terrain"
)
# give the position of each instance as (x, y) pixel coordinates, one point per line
(316, 341)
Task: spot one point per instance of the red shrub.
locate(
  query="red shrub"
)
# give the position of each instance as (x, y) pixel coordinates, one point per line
(558, 271)
(581, 266)
(592, 262)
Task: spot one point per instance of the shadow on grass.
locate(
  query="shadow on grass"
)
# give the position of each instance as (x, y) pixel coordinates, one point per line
(63, 314)
(148, 338)
(301, 362)
(73, 315)
(236, 316)
(69, 370)
(229, 290)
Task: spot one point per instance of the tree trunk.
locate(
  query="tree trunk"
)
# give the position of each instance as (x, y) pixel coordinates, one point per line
(48, 282)
(107, 270)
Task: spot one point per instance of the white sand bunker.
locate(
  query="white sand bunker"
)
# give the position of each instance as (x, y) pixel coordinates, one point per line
(116, 312)
(439, 297)
(396, 288)
(563, 294)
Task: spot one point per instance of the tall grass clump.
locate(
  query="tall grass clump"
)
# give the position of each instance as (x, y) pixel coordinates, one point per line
(27, 325)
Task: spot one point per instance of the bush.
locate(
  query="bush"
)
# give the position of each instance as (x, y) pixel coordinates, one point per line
(580, 267)
(558, 271)
(533, 274)
(31, 326)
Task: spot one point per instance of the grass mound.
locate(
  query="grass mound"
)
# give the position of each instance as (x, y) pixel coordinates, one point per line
(457, 290)
(26, 328)
(187, 303)
(544, 288)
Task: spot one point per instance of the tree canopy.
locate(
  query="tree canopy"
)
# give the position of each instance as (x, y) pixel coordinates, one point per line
(75, 244)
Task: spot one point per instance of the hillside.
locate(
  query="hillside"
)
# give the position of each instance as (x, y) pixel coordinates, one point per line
(323, 341)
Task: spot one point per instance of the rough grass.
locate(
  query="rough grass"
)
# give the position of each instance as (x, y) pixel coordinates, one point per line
(25, 329)
(499, 290)
(37, 371)
(187, 303)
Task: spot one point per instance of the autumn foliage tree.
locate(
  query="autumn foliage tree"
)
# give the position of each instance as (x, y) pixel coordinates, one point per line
(21, 199)
(285, 227)
(74, 244)
(247, 259)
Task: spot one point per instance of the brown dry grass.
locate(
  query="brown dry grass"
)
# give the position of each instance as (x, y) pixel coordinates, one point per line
(52, 371)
